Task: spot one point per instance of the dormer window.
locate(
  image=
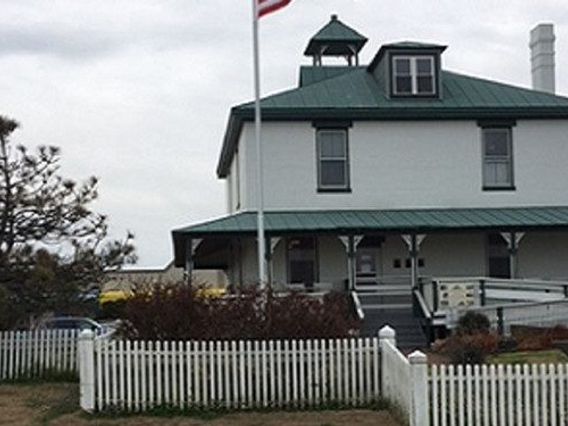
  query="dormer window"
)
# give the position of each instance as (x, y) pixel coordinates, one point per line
(413, 75)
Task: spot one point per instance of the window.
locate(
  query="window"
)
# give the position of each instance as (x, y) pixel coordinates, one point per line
(333, 160)
(497, 158)
(302, 266)
(413, 75)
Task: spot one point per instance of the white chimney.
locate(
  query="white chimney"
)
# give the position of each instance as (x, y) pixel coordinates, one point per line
(542, 58)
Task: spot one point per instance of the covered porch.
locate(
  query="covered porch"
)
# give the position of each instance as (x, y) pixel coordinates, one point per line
(366, 250)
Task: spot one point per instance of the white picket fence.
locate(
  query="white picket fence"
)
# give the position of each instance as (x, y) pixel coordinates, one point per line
(137, 375)
(31, 354)
(499, 395)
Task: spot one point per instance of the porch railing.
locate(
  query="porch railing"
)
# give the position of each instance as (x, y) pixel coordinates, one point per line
(449, 293)
(502, 317)
(505, 302)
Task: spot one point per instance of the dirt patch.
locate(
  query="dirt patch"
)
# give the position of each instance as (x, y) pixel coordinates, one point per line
(323, 418)
(56, 404)
(36, 404)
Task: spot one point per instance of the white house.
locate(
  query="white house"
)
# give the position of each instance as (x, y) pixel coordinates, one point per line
(394, 170)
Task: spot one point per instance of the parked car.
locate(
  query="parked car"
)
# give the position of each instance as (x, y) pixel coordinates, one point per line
(73, 323)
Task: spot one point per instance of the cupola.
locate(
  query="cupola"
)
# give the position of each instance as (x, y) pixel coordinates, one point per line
(335, 39)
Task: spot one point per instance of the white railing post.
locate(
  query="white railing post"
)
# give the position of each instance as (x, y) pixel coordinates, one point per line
(386, 334)
(419, 415)
(87, 370)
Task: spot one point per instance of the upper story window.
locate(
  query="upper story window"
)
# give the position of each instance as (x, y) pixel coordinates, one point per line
(333, 160)
(497, 158)
(413, 75)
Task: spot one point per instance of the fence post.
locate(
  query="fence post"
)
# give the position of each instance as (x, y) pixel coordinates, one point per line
(386, 334)
(86, 352)
(483, 294)
(500, 321)
(419, 414)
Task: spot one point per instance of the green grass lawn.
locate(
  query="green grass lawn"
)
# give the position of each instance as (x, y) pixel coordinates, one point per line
(554, 356)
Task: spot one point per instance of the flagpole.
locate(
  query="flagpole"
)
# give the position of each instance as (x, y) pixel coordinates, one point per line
(257, 131)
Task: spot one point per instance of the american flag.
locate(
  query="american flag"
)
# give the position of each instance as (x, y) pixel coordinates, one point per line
(268, 6)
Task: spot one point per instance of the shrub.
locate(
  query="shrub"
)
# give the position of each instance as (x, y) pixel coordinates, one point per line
(111, 310)
(536, 338)
(468, 348)
(473, 323)
(508, 344)
(176, 312)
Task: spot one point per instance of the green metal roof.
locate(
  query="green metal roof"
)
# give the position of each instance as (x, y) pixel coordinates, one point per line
(310, 74)
(366, 221)
(357, 90)
(333, 33)
(357, 94)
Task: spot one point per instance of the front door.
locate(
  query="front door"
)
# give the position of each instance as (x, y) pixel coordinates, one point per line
(302, 265)
(366, 267)
(498, 259)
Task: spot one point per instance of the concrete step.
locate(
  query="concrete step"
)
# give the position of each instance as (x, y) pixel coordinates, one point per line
(408, 329)
(384, 299)
(386, 306)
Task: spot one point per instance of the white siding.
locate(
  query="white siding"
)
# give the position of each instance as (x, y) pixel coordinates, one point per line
(406, 165)
(444, 255)
(544, 255)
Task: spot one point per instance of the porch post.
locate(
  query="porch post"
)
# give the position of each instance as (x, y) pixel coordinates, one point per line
(513, 239)
(191, 247)
(413, 242)
(271, 243)
(350, 243)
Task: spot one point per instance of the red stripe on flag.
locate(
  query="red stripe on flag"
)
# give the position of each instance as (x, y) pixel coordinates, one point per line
(268, 6)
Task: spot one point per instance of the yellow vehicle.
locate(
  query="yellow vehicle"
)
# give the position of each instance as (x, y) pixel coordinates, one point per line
(211, 292)
(111, 296)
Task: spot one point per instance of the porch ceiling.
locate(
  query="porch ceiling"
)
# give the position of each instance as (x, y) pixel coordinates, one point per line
(365, 221)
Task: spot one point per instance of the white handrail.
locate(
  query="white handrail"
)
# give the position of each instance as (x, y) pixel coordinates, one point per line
(503, 281)
(423, 304)
(357, 304)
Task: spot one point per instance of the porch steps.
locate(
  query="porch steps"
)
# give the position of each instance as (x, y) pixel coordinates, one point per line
(381, 310)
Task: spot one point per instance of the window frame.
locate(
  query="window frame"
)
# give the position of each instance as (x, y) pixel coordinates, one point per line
(346, 186)
(493, 159)
(413, 73)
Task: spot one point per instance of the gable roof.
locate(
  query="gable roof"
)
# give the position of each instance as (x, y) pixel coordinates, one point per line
(357, 94)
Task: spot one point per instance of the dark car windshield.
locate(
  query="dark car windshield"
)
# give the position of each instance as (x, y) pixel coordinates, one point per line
(71, 324)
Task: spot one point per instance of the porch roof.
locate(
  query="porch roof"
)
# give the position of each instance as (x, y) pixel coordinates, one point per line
(366, 221)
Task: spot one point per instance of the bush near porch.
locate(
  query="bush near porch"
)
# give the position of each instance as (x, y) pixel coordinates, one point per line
(473, 342)
(177, 312)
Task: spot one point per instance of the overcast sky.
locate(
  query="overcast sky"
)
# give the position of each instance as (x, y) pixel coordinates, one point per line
(137, 92)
